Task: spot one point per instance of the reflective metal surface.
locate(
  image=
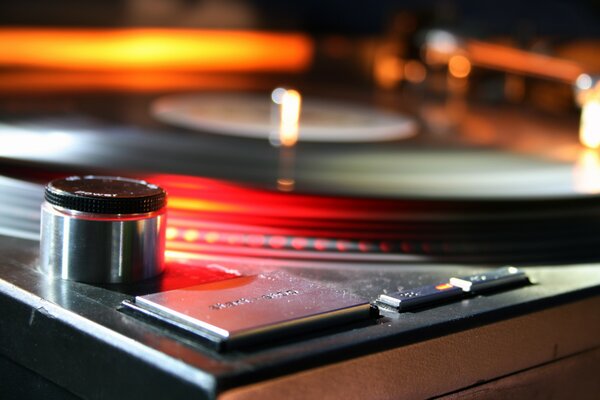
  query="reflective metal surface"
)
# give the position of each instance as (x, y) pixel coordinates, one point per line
(255, 308)
(107, 250)
(501, 277)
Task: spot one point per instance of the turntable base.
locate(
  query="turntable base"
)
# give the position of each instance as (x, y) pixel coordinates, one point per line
(73, 335)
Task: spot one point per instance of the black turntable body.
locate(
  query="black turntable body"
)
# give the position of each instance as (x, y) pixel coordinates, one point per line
(359, 207)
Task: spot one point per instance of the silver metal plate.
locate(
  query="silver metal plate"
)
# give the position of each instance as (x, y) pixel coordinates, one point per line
(251, 309)
(495, 279)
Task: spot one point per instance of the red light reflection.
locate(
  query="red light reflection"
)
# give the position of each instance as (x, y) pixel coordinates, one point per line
(210, 216)
(386, 247)
(299, 243)
(211, 237)
(364, 246)
(277, 242)
(321, 244)
(255, 240)
(185, 271)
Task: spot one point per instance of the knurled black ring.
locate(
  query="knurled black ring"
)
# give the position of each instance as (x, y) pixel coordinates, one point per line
(105, 195)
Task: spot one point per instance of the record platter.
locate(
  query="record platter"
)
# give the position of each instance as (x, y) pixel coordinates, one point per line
(409, 235)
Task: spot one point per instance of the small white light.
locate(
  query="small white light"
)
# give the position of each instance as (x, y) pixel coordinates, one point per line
(277, 95)
(21, 142)
(441, 41)
(584, 82)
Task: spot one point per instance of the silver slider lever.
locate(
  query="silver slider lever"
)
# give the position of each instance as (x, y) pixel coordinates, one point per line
(491, 280)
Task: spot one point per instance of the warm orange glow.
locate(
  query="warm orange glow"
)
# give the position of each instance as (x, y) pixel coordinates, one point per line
(183, 203)
(414, 71)
(459, 66)
(290, 105)
(586, 172)
(514, 87)
(589, 126)
(286, 184)
(130, 81)
(388, 71)
(528, 63)
(163, 49)
(444, 286)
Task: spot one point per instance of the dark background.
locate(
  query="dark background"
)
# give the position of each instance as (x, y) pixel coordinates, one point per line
(565, 19)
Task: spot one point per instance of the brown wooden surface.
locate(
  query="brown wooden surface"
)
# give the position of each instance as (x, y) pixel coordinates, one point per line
(447, 364)
(574, 377)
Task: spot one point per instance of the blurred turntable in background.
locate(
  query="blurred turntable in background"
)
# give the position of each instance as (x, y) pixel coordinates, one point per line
(451, 72)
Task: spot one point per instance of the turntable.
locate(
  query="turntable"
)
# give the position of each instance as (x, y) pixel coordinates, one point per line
(412, 214)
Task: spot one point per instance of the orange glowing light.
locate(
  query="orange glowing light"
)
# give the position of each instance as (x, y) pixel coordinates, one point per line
(290, 106)
(444, 286)
(388, 71)
(459, 66)
(132, 81)
(286, 184)
(191, 204)
(414, 71)
(515, 60)
(514, 87)
(589, 126)
(165, 49)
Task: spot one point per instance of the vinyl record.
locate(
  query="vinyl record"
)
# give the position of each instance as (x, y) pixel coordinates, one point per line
(482, 153)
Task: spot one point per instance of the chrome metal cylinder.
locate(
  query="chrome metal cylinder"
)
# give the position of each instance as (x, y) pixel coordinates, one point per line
(103, 229)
